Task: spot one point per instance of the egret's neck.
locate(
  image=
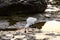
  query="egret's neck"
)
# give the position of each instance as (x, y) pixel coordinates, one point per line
(27, 25)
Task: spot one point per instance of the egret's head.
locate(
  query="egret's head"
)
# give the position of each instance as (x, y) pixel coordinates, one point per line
(30, 21)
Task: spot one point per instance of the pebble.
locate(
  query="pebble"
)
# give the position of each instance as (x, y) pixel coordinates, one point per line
(19, 36)
(25, 39)
(40, 36)
(9, 35)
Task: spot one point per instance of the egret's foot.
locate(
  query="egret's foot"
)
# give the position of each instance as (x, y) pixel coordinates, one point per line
(25, 31)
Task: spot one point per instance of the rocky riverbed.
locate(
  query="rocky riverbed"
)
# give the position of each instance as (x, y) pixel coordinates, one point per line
(30, 35)
(17, 24)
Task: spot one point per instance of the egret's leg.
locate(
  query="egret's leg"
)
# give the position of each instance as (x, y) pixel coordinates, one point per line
(25, 30)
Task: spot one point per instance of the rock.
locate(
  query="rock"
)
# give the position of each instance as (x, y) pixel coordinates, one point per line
(12, 39)
(9, 35)
(41, 36)
(5, 38)
(57, 38)
(19, 36)
(37, 36)
(4, 24)
(37, 30)
(18, 39)
(51, 26)
(8, 7)
(21, 31)
(25, 39)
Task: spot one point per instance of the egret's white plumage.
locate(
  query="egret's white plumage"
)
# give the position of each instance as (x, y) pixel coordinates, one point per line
(30, 21)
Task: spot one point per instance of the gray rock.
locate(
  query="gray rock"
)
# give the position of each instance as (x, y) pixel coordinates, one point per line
(8, 7)
(4, 24)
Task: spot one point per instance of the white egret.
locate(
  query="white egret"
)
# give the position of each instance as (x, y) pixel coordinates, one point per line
(30, 21)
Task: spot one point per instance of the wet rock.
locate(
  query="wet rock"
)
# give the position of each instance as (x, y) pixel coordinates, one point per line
(5, 38)
(30, 37)
(13, 39)
(37, 30)
(4, 24)
(25, 39)
(57, 38)
(19, 24)
(17, 33)
(51, 26)
(8, 7)
(39, 37)
(47, 15)
(19, 36)
(22, 30)
(9, 35)
(18, 39)
(42, 36)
